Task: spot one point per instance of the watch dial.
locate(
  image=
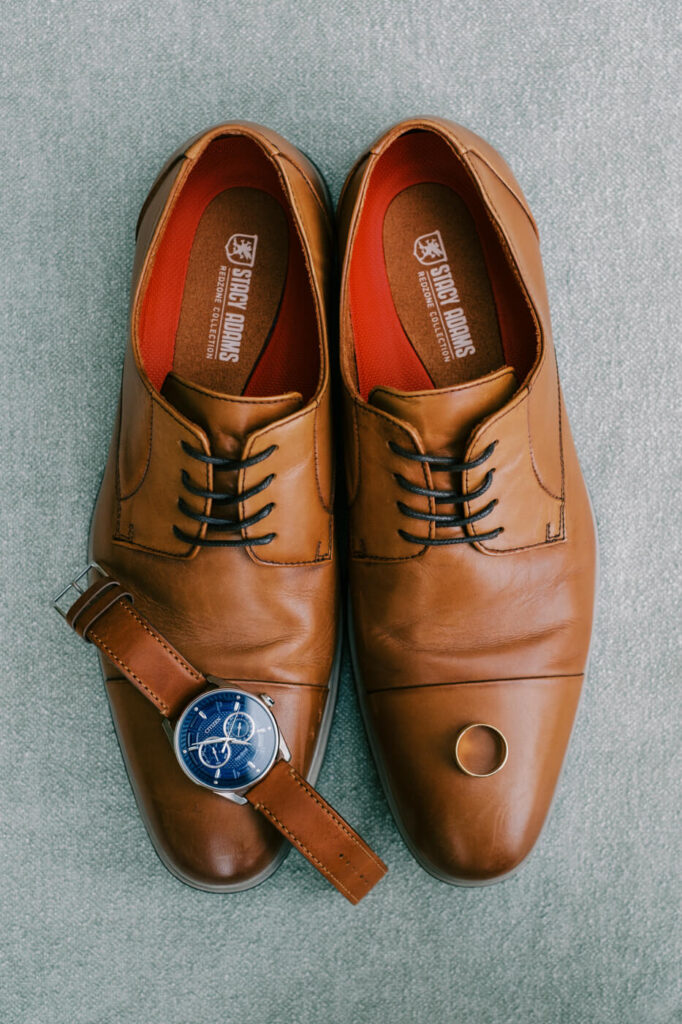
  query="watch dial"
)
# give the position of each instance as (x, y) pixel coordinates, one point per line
(226, 739)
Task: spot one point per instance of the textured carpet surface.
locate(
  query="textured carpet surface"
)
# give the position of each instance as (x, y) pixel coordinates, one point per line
(581, 98)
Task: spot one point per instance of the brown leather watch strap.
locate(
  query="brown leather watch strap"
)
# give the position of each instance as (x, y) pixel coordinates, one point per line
(314, 828)
(104, 615)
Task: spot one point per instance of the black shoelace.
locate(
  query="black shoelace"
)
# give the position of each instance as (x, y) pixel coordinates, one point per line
(443, 463)
(218, 522)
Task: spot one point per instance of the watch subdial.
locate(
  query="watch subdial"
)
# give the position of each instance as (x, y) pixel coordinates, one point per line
(239, 727)
(214, 752)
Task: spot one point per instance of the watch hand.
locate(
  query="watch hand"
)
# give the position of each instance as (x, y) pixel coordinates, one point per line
(219, 757)
(209, 739)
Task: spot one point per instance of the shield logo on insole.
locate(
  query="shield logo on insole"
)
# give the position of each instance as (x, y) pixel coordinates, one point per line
(429, 249)
(241, 250)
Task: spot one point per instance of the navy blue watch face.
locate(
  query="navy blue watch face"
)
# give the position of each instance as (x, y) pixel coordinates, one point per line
(226, 739)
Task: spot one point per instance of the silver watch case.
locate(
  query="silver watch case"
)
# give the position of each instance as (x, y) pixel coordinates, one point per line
(282, 752)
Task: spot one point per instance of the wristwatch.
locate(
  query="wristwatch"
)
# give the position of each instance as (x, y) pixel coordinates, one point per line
(224, 738)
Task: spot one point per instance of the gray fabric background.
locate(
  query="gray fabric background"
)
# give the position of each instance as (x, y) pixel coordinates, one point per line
(581, 98)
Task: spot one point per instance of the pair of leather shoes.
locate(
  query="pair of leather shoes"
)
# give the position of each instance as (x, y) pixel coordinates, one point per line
(472, 546)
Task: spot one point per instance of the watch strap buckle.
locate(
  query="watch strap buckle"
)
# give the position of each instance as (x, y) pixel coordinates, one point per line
(75, 589)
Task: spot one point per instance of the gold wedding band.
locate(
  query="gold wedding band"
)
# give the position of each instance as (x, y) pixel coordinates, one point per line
(501, 739)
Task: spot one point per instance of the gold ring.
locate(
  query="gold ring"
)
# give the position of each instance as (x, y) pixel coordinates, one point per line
(504, 749)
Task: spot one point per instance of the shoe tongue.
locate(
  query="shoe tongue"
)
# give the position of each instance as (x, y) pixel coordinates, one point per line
(226, 419)
(445, 417)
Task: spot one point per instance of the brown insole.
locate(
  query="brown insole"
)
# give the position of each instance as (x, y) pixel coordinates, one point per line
(440, 285)
(233, 288)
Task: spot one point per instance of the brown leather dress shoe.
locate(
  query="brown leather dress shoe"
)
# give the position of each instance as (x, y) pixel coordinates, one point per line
(473, 547)
(215, 510)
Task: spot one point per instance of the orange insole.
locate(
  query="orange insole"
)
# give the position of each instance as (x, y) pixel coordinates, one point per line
(228, 304)
(421, 300)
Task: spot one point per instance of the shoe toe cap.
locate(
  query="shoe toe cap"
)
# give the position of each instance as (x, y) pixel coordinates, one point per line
(472, 810)
(207, 841)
